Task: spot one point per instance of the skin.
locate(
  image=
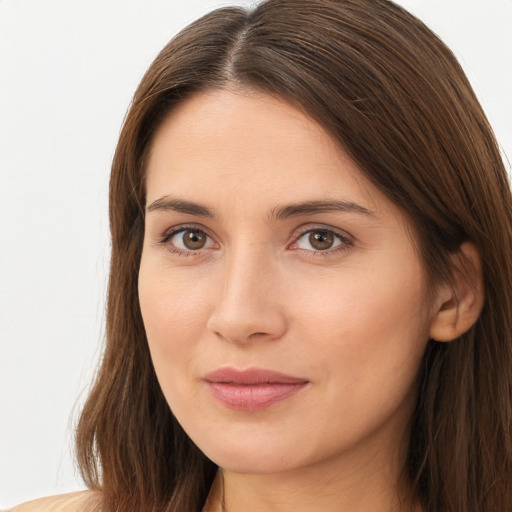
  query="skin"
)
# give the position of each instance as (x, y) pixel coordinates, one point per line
(352, 320)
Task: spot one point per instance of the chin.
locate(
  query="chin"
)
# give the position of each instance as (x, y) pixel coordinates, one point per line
(252, 461)
(254, 452)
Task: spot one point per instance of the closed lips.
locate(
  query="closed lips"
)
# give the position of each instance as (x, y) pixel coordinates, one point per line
(253, 389)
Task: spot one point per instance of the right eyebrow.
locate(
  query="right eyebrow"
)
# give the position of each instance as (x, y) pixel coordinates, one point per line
(178, 205)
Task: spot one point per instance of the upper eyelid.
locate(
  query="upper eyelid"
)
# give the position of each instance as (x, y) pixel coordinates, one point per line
(306, 228)
(174, 230)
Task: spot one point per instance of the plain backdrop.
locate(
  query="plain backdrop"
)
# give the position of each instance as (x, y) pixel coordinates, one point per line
(68, 70)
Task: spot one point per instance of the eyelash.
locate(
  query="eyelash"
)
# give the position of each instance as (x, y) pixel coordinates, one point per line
(168, 235)
(345, 241)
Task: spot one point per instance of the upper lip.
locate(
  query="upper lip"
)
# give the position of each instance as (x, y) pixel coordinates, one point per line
(251, 376)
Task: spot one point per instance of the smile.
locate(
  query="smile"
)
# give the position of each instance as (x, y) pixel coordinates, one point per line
(253, 389)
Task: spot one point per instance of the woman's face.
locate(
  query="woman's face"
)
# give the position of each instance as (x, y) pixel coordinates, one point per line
(284, 303)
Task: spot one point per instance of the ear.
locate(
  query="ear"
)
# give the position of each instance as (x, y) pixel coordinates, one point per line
(458, 307)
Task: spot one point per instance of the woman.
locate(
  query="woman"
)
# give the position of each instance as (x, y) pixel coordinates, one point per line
(311, 229)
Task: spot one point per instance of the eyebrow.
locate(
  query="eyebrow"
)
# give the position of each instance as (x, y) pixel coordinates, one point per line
(313, 207)
(278, 213)
(178, 205)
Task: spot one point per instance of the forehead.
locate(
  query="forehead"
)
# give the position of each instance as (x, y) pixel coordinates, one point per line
(229, 144)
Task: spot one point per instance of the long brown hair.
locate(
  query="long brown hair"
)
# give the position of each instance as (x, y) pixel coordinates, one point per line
(393, 95)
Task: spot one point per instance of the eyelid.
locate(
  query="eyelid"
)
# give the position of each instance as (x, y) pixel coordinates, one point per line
(347, 240)
(173, 230)
(169, 233)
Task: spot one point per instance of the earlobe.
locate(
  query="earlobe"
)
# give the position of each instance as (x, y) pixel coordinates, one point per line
(459, 306)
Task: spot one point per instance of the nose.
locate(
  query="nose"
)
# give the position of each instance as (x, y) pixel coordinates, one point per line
(249, 305)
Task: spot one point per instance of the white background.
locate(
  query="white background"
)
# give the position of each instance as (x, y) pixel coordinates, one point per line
(67, 73)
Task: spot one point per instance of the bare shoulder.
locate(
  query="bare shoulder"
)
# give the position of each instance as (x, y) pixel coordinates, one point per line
(82, 501)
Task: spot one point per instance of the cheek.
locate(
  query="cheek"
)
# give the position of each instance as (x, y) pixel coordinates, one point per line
(365, 327)
(363, 301)
(174, 314)
(174, 320)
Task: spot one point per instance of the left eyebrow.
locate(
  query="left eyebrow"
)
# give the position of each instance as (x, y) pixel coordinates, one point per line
(312, 207)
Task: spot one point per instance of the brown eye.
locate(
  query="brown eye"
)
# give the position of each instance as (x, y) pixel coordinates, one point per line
(194, 240)
(321, 240)
(188, 240)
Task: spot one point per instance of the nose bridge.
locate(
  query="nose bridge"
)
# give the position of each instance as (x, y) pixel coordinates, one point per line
(247, 303)
(244, 267)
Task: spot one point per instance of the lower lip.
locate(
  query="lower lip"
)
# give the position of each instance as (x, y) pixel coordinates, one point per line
(253, 397)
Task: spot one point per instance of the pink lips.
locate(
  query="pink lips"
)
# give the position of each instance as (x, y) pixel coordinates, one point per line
(253, 389)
